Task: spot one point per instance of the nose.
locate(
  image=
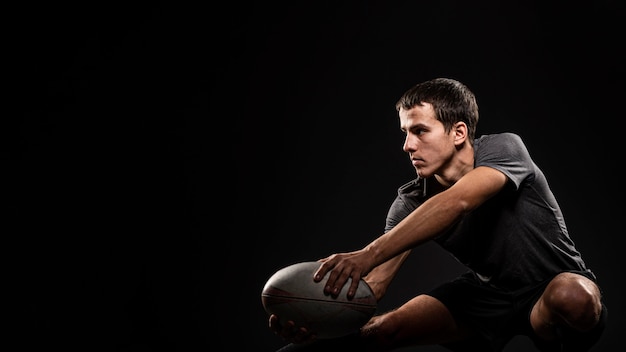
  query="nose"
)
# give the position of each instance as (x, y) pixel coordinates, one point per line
(409, 144)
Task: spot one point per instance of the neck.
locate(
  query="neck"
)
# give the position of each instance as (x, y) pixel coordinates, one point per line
(459, 166)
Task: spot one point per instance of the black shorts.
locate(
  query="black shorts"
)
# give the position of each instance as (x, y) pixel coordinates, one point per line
(496, 315)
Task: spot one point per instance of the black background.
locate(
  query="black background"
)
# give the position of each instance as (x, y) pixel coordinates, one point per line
(171, 156)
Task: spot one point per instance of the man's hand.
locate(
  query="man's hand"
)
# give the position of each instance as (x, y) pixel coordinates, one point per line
(344, 266)
(290, 332)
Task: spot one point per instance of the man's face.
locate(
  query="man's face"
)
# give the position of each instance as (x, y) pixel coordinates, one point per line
(429, 146)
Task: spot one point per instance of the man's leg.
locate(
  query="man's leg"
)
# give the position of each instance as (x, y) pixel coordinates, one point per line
(569, 315)
(423, 320)
(576, 341)
(345, 343)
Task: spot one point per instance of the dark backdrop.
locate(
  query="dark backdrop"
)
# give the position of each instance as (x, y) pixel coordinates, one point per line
(169, 157)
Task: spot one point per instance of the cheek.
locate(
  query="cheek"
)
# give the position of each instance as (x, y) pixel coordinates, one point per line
(442, 148)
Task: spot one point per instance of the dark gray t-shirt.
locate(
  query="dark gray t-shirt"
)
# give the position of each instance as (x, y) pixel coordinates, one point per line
(516, 238)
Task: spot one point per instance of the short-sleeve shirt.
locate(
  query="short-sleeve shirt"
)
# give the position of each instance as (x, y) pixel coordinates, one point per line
(516, 238)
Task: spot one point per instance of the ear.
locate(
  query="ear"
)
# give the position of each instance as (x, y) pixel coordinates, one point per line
(460, 133)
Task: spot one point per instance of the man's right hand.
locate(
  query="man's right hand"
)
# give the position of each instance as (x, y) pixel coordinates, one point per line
(290, 332)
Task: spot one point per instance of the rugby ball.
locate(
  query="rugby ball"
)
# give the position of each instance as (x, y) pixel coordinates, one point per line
(291, 294)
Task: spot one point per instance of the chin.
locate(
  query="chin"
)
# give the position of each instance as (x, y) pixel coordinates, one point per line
(422, 174)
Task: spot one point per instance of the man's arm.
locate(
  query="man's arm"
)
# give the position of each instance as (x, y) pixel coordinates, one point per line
(430, 219)
(381, 276)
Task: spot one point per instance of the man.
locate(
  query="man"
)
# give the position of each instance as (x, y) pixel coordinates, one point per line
(486, 202)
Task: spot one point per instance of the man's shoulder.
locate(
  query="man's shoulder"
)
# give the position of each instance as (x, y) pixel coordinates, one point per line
(507, 142)
(499, 137)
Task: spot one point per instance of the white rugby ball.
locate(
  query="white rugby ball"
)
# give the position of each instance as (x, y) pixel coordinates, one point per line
(291, 294)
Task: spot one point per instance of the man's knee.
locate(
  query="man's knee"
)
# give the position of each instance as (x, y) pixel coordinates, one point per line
(576, 341)
(574, 299)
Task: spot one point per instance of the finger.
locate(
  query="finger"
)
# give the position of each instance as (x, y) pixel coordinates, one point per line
(341, 281)
(354, 285)
(274, 323)
(336, 280)
(302, 335)
(288, 329)
(325, 266)
(332, 284)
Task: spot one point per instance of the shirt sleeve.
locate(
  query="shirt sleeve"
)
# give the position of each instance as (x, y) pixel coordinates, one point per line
(507, 153)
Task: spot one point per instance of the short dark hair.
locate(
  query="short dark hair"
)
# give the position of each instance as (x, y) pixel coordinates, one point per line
(452, 101)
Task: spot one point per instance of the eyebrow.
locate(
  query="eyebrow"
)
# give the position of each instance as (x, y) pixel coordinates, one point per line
(416, 126)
